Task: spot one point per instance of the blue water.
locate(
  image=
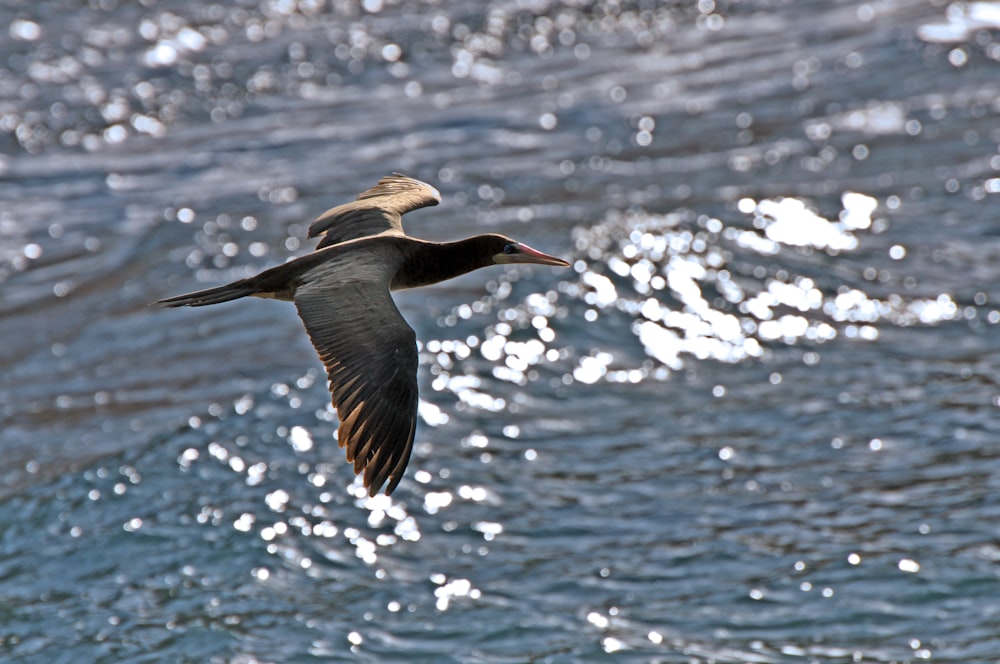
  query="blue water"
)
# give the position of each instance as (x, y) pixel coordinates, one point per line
(756, 421)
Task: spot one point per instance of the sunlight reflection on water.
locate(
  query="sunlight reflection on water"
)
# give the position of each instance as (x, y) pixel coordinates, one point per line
(686, 283)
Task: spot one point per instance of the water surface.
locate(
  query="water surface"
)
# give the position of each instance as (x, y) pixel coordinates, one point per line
(756, 421)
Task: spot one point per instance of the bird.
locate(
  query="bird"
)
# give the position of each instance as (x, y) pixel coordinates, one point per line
(342, 291)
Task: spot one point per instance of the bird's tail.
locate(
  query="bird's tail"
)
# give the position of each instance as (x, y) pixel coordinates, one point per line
(232, 291)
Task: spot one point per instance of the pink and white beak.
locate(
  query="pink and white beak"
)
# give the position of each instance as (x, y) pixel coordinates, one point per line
(525, 254)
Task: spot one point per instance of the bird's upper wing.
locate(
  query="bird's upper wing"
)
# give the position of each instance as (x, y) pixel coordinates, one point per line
(370, 355)
(377, 210)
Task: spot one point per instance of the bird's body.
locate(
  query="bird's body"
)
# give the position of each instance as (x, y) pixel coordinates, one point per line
(342, 293)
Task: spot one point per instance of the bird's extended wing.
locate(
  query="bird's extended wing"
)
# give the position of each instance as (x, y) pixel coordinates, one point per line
(377, 210)
(370, 355)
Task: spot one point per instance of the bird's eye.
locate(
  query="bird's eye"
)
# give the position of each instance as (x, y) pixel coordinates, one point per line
(509, 249)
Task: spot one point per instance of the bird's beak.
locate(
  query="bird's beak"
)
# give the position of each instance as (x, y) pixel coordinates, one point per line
(526, 254)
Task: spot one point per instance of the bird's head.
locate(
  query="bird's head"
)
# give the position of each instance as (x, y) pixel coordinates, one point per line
(505, 250)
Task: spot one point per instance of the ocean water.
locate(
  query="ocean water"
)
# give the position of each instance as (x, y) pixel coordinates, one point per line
(758, 419)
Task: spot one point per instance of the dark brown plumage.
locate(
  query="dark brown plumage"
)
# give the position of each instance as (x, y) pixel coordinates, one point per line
(342, 291)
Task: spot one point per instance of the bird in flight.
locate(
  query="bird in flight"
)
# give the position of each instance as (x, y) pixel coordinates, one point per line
(342, 293)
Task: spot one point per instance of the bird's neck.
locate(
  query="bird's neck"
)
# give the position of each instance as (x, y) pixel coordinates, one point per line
(430, 262)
